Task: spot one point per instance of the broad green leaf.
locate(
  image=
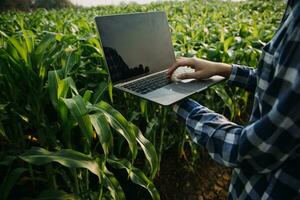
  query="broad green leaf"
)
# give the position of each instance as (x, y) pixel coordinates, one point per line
(151, 127)
(78, 110)
(144, 109)
(2, 131)
(87, 95)
(29, 40)
(148, 150)
(222, 34)
(221, 92)
(19, 47)
(53, 80)
(12, 55)
(227, 43)
(72, 58)
(110, 91)
(66, 157)
(64, 85)
(119, 123)
(134, 116)
(99, 92)
(44, 49)
(113, 185)
(56, 194)
(63, 111)
(136, 175)
(3, 34)
(103, 131)
(63, 88)
(43, 45)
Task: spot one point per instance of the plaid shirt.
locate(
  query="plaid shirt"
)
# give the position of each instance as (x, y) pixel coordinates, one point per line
(265, 155)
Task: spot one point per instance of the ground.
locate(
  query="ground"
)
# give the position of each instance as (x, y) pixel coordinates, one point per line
(180, 180)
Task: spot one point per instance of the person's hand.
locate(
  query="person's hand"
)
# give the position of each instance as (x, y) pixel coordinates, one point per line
(203, 68)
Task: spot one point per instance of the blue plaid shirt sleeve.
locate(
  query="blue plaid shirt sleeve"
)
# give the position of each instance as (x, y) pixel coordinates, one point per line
(244, 77)
(266, 143)
(211, 130)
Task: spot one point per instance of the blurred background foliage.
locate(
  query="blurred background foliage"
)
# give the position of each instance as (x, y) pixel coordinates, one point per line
(27, 5)
(65, 133)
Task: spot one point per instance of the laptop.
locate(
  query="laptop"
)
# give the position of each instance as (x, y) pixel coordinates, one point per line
(138, 51)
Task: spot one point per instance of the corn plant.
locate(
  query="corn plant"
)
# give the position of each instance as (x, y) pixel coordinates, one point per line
(45, 110)
(64, 133)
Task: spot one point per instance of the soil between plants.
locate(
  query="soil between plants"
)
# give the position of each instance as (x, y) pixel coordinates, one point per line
(179, 179)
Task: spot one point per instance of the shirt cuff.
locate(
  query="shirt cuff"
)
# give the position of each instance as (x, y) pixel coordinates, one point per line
(233, 74)
(185, 107)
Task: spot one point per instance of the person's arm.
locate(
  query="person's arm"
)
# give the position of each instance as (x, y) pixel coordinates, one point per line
(241, 76)
(267, 143)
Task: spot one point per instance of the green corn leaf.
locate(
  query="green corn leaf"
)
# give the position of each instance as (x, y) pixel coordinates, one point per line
(87, 95)
(136, 175)
(151, 127)
(134, 116)
(67, 124)
(29, 40)
(227, 43)
(221, 92)
(12, 55)
(78, 110)
(222, 34)
(72, 59)
(103, 131)
(9, 181)
(2, 131)
(119, 123)
(19, 48)
(44, 44)
(113, 185)
(64, 85)
(3, 34)
(42, 47)
(66, 157)
(148, 149)
(110, 91)
(56, 194)
(53, 80)
(63, 111)
(99, 92)
(144, 109)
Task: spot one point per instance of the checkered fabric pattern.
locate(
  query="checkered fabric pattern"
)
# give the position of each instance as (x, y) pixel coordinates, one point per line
(265, 154)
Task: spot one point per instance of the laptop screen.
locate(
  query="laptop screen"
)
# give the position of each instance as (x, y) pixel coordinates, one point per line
(135, 44)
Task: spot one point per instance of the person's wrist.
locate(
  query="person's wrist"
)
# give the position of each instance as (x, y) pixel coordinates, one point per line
(224, 69)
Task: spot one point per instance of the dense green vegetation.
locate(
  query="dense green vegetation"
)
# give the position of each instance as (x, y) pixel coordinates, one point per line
(62, 133)
(26, 5)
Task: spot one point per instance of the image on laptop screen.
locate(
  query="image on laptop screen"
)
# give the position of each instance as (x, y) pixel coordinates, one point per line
(135, 44)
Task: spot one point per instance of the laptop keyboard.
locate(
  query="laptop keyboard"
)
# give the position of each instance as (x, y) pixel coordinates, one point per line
(149, 84)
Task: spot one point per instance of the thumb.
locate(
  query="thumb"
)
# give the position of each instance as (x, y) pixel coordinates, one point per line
(187, 75)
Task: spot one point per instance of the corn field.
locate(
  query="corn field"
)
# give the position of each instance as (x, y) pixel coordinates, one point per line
(66, 134)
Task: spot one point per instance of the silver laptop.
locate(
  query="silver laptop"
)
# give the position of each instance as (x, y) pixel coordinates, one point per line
(138, 51)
